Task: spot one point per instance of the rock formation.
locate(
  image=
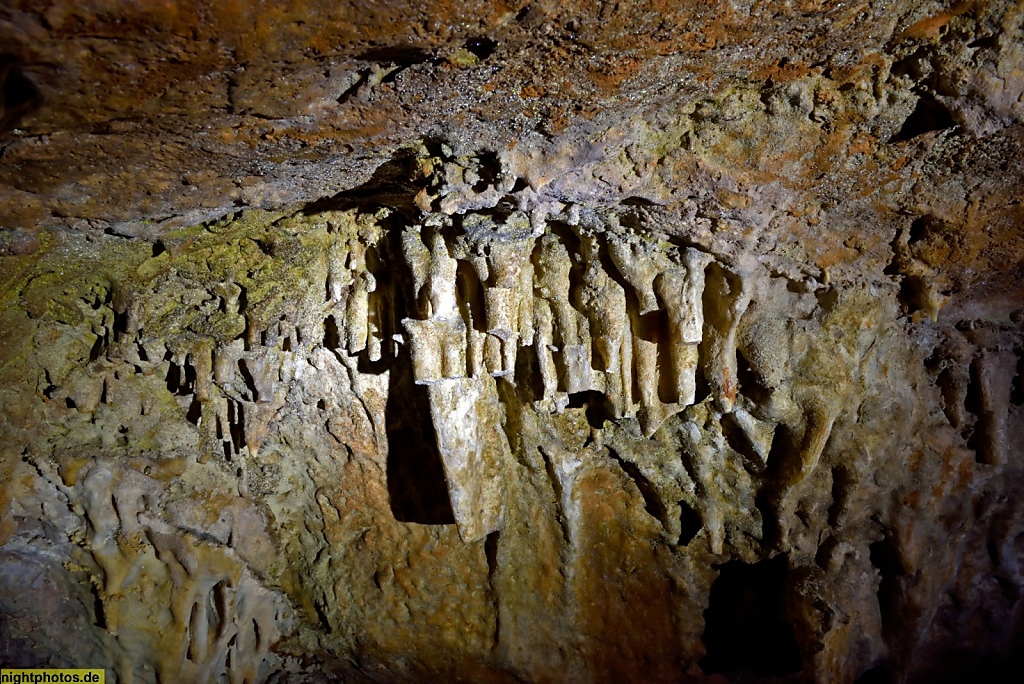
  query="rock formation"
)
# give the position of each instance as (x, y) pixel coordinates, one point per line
(526, 342)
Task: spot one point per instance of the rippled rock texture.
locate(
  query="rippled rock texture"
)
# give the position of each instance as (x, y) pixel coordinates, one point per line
(518, 343)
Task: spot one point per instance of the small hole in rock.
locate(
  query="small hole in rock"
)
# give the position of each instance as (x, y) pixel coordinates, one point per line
(481, 46)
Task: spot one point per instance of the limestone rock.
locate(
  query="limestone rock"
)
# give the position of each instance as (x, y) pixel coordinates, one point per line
(559, 342)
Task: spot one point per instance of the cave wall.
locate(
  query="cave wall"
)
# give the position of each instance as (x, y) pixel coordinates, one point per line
(670, 369)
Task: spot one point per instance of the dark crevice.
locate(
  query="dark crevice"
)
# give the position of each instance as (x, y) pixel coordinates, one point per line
(827, 299)
(652, 502)
(919, 229)
(173, 379)
(192, 626)
(556, 487)
(491, 553)
(992, 547)
(347, 94)
(332, 336)
(784, 461)
(391, 185)
(1017, 390)
(637, 202)
(878, 674)
(97, 607)
(257, 637)
(668, 390)
(470, 296)
(749, 384)
(1010, 589)
(266, 247)
(690, 523)
(216, 610)
(929, 115)
(528, 380)
(983, 43)
(417, 488)
(195, 411)
(746, 630)
(632, 221)
(321, 616)
(247, 376)
(489, 168)
(596, 406)
(20, 95)
(770, 533)
(236, 424)
(120, 325)
(886, 559)
(97, 349)
(825, 552)
(737, 439)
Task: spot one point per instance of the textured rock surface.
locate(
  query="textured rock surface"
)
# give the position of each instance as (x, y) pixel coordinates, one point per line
(519, 342)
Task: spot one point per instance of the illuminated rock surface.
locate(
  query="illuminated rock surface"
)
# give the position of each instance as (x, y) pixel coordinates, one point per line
(522, 342)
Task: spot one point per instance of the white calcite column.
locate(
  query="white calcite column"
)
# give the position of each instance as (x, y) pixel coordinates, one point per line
(472, 467)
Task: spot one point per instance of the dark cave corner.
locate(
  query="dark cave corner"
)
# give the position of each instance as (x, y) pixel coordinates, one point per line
(746, 632)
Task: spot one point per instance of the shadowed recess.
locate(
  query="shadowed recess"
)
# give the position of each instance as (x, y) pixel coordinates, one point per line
(416, 484)
(746, 629)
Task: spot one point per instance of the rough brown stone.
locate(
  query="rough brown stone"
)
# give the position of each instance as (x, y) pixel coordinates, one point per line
(512, 342)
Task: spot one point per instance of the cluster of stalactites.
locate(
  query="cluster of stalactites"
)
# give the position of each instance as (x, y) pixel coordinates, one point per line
(614, 314)
(635, 320)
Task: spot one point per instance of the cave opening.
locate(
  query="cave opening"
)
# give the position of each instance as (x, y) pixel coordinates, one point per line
(746, 629)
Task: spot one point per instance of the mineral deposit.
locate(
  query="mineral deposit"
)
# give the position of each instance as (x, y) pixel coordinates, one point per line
(512, 342)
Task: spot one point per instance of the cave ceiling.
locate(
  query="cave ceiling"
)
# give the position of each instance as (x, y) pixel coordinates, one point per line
(828, 127)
